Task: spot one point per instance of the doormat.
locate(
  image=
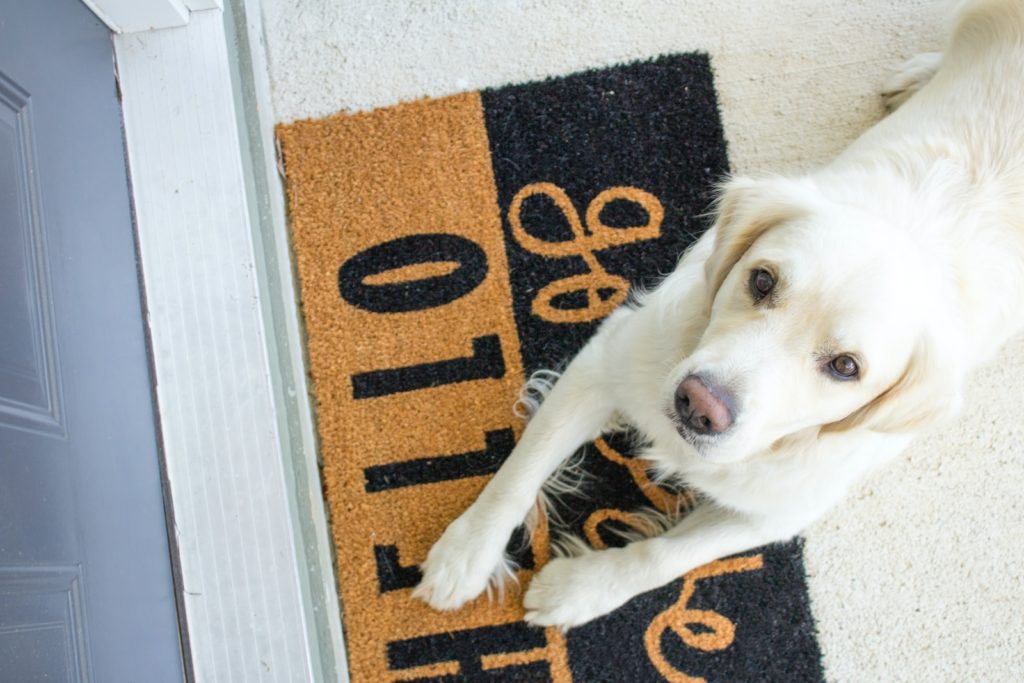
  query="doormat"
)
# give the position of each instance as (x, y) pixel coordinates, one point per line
(446, 250)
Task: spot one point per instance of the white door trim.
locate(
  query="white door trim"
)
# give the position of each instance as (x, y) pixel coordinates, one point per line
(258, 587)
(126, 16)
(129, 16)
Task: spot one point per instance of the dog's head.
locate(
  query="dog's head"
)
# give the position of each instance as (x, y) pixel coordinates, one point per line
(820, 316)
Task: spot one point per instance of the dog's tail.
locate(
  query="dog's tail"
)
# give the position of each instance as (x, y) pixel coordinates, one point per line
(981, 23)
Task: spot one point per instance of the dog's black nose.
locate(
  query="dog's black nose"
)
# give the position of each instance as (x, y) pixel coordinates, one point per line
(702, 408)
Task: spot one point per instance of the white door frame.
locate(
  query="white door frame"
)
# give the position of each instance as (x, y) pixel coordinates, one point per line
(128, 16)
(258, 589)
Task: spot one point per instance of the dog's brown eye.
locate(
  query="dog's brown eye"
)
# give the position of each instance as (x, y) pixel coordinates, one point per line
(844, 367)
(761, 283)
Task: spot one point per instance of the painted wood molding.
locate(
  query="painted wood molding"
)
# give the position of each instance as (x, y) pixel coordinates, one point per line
(129, 16)
(245, 608)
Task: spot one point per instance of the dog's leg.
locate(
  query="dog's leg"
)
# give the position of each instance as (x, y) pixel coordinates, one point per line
(910, 77)
(472, 549)
(571, 591)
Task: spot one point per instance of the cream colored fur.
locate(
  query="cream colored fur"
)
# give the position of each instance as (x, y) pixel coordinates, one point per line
(906, 252)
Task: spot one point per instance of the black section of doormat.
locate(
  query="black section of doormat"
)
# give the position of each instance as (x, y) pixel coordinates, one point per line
(652, 127)
(774, 638)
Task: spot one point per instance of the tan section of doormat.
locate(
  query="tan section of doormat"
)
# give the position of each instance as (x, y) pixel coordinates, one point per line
(448, 248)
(418, 171)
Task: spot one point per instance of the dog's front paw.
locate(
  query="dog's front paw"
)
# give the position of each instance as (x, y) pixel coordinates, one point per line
(461, 565)
(574, 590)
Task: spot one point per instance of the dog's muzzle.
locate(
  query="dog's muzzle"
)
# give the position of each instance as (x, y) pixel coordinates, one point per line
(702, 407)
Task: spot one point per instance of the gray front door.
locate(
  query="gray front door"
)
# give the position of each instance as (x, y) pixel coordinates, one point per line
(86, 589)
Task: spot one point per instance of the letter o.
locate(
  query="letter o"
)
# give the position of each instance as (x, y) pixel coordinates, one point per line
(412, 295)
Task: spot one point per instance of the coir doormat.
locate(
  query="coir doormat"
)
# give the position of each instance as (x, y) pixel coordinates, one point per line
(449, 248)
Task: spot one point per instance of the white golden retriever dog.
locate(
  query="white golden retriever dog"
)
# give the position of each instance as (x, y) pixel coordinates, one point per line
(822, 322)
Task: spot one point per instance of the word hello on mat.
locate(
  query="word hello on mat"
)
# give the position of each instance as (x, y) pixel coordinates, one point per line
(419, 272)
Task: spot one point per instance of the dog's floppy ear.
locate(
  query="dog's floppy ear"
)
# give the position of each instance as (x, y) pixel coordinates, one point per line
(927, 392)
(745, 210)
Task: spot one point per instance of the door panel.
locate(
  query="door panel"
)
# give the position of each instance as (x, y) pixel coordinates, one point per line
(42, 637)
(86, 590)
(28, 369)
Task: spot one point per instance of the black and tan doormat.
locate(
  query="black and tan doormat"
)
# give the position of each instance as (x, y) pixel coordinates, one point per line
(447, 249)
